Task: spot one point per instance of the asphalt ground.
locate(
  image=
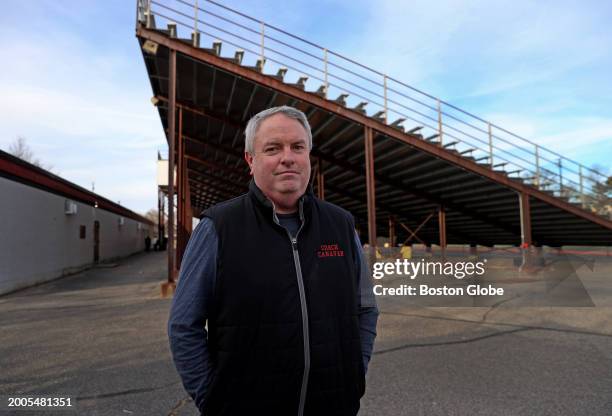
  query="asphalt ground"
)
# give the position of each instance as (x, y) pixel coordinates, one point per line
(545, 349)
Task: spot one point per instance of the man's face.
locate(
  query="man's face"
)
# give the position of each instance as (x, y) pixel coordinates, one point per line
(281, 162)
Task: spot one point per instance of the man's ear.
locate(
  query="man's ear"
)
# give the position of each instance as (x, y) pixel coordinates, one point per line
(249, 159)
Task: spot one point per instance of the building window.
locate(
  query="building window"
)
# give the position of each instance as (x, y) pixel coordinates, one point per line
(82, 231)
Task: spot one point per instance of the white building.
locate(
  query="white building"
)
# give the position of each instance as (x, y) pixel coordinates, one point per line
(50, 227)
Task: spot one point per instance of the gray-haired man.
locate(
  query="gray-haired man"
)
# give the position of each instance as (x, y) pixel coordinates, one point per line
(279, 277)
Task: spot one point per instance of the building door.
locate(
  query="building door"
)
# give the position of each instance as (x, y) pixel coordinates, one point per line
(96, 241)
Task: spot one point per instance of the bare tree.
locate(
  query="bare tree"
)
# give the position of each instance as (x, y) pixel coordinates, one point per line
(599, 199)
(152, 216)
(19, 148)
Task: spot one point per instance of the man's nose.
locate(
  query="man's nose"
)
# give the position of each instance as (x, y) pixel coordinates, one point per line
(287, 156)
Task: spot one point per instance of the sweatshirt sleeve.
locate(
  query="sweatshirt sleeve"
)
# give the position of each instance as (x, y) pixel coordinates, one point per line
(368, 310)
(189, 311)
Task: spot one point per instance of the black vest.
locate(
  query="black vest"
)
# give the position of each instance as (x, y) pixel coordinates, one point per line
(256, 337)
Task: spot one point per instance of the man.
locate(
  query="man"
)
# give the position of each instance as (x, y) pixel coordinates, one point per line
(279, 277)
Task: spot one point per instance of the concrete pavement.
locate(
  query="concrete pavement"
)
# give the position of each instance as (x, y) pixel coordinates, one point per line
(100, 337)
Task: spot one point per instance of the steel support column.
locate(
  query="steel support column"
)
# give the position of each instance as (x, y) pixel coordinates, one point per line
(442, 227)
(162, 227)
(181, 238)
(159, 214)
(391, 230)
(171, 140)
(320, 180)
(370, 185)
(188, 207)
(362, 119)
(525, 213)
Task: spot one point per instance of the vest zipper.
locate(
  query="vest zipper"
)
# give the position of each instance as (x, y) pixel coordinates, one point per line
(298, 269)
(304, 308)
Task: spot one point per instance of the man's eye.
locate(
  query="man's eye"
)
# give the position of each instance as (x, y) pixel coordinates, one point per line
(270, 150)
(299, 147)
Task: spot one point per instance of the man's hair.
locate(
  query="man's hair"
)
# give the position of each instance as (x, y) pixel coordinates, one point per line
(253, 125)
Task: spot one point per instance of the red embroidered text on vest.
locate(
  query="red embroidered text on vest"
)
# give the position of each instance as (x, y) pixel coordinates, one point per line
(330, 250)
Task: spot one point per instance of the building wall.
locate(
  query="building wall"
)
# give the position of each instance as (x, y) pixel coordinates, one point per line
(39, 242)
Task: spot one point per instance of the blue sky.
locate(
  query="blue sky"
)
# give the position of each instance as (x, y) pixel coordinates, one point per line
(75, 86)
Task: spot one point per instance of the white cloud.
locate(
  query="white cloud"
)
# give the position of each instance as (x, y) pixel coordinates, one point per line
(531, 67)
(581, 134)
(585, 139)
(82, 114)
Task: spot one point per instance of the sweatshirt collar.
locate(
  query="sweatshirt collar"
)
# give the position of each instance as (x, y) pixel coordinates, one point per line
(303, 202)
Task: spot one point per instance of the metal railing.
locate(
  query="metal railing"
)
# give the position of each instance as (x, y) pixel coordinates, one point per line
(339, 78)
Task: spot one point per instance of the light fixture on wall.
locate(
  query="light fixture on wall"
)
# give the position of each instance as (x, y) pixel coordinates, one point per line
(70, 207)
(150, 47)
(121, 221)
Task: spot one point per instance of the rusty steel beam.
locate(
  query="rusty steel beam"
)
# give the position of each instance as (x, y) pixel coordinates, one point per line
(413, 157)
(328, 141)
(211, 191)
(204, 185)
(225, 189)
(461, 195)
(182, 233)
(390, 159)
(208, 197)
(225, 181)
(205, 200)
(525, 213)
(314, 171)
(320, 180)
(216, 166)
(203, 113)
(359, 155)
(420, 193)
(159, 214)
(237, 155)
(214, 190)
(217, 146)
(319, 128)
(392, 230)
(447, 176)
(370, 184)
(349, 114)
(414, 233)
(228, 183)
(501, 202)
(179, 187)
(205, 203)
(210, 188)
(245, 113)
(163, 214)
(345, 194)
(188, 213)
(171, 140)
(442, 227)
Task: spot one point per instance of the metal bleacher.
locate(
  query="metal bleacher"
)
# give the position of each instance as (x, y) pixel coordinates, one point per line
(428, 156)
